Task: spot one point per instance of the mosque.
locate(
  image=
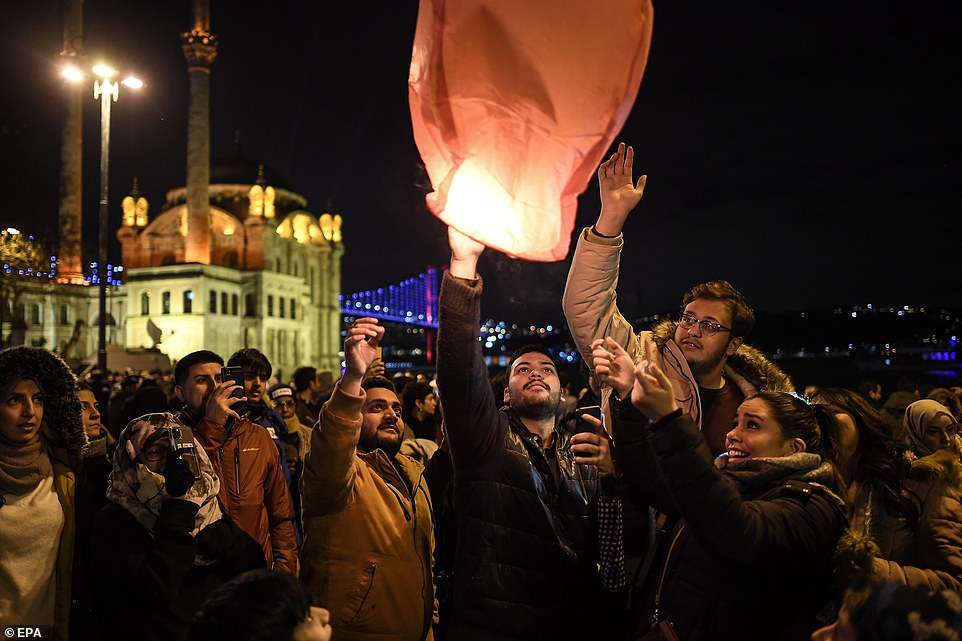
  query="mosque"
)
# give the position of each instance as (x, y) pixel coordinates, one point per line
(233, 259)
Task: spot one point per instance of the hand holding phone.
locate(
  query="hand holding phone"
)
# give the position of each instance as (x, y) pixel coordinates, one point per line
(235, 374)
(581, 425)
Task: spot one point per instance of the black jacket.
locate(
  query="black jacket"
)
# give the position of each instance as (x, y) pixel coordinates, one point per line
(731, 565)
(525, 561)
(148, 586)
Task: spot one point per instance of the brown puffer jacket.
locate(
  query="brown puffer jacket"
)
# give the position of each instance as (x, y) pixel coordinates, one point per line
(252, 486)
(928, 552)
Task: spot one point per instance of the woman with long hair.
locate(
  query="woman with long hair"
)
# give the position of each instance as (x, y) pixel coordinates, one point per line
(750, 535)
(907, 502)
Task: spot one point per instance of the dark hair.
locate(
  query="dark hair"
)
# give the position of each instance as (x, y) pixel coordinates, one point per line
(252, 359)
(413, 391)
(303, 376)
(892, 611)
(378, 381)
(868, 386)
(946, 397)
(527, 349)
(800, 419)
(258, 605)
(498, 384)
(743, 316)
(194, 358)
(879, 457)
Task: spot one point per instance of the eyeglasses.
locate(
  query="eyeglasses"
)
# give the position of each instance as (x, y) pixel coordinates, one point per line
(708, 328)
(285, 403)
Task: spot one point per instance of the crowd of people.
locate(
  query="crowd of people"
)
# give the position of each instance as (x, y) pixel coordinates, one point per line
(707, 498)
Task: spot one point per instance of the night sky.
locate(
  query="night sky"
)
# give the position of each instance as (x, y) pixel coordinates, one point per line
(811, 153)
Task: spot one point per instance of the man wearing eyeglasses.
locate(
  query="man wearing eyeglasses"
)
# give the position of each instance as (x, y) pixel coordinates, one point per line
(702, 351)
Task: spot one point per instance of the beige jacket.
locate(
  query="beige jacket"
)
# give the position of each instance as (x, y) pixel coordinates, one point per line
(591, 308)
(368, 536)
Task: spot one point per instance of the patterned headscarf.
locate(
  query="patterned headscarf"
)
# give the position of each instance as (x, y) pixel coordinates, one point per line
(141, 492)
(918, 415)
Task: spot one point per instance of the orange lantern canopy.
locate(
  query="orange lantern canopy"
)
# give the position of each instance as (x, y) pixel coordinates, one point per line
(514, 104)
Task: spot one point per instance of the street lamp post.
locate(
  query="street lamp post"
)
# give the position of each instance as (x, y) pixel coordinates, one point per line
(108, 91)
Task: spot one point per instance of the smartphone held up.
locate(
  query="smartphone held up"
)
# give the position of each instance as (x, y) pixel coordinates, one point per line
(235, 374)
(582, 425)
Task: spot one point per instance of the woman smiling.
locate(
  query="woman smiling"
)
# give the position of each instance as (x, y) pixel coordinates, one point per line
(748, 537)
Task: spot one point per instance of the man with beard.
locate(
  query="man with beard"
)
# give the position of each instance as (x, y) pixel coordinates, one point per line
(368, 536)
(702, 351)
(525, 490)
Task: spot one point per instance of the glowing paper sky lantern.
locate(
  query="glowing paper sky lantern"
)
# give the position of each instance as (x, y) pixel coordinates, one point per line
(514, 103)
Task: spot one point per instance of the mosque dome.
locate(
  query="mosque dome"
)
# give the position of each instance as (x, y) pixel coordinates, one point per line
(235, 169)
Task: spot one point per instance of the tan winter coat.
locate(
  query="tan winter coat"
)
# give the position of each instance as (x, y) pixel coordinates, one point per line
(928, 555)
(591, 309)
(368, 536)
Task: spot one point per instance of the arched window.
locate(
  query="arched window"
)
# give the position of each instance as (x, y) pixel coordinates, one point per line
(293, 309)
(212, 306)
(250, 305)
(230, 259)
(270, 305)
(165, 302)
(233, 304)
(188, 301)
(145, 304)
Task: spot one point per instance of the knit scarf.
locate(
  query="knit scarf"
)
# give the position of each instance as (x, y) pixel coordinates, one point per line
(23, 465)
(756, 474)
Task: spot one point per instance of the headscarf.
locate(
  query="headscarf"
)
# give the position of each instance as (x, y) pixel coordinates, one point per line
(918, 415)
(141, 492)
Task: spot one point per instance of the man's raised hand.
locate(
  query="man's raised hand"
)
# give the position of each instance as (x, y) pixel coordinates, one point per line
(465, 252)
(360, 350)
(619, 195)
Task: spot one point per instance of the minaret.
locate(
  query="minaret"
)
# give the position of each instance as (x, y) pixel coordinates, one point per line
(70, 269)
(200, 48)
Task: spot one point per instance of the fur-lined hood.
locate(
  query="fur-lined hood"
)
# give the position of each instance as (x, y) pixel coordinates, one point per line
(61, 413)
(943, 465)
(746, 365)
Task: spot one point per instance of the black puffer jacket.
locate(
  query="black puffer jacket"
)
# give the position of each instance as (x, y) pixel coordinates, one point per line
(525, 560)
(738, 565)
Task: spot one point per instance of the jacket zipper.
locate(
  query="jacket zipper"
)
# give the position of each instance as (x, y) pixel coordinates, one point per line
(237, 470)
